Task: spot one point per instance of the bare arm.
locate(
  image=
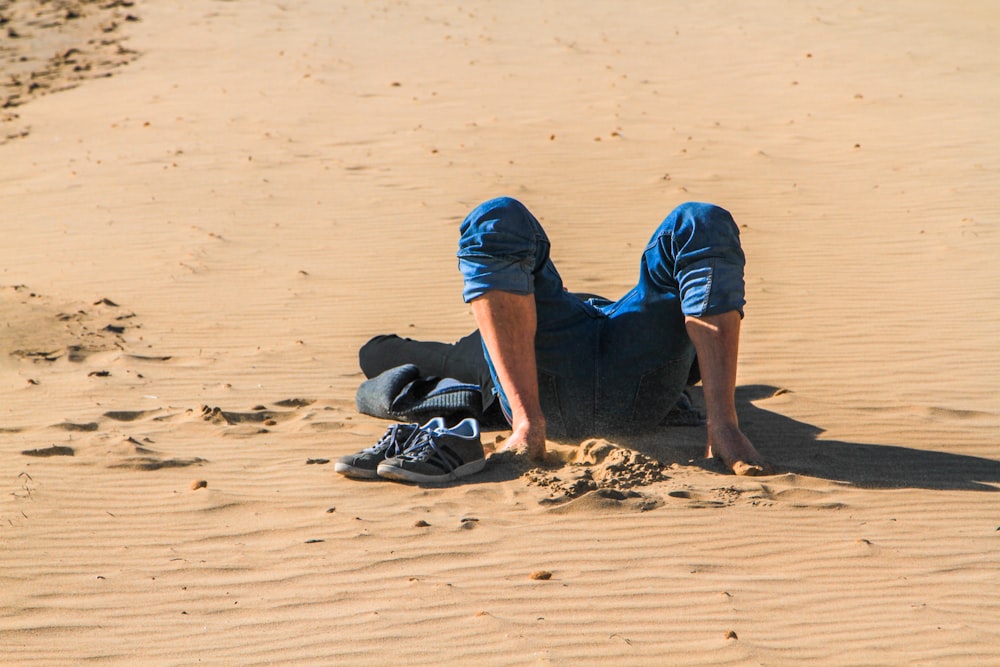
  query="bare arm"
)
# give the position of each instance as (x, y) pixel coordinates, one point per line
(716, 339)
(508, 323)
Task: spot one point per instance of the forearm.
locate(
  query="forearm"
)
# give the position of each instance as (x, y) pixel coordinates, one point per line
(716, 340)
(507, 323)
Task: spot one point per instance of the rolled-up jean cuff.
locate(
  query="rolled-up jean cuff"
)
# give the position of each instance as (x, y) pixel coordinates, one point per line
(482, 275)
(712, 287)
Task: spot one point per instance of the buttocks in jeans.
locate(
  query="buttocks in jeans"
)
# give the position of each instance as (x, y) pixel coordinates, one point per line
(614, 368)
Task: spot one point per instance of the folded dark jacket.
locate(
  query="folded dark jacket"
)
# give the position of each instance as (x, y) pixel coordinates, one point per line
(402, 394)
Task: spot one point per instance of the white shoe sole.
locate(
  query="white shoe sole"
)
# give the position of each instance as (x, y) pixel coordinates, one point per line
(347, 470)
(403, 475)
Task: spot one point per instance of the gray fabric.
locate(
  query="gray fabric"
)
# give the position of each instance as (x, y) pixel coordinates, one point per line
(402, 394)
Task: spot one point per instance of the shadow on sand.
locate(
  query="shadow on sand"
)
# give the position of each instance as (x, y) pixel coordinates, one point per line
(796, 447)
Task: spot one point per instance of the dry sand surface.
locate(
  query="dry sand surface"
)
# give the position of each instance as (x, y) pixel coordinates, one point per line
(194, 248)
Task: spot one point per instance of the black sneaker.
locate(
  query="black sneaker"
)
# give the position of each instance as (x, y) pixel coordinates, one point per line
(363, 464)
(437, 455)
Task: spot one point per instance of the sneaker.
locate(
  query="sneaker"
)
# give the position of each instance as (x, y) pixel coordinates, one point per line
(364, 464)
(438, 455)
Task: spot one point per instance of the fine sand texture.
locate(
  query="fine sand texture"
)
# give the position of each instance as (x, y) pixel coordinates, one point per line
(208, 206)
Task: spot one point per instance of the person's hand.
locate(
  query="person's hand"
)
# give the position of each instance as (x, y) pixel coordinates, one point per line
(728, 444)
(528, 439)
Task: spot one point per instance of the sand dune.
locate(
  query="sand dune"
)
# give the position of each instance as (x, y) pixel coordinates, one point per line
(196, 246)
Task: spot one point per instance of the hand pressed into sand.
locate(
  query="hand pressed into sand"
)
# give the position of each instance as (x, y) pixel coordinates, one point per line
(528, 439)
(728, 444)
(716, 339)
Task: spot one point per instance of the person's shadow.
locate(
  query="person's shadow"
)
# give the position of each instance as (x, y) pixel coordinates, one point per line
(796, 447)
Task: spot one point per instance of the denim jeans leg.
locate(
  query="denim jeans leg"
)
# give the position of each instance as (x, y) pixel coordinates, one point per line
(692, 266)
(503, 247)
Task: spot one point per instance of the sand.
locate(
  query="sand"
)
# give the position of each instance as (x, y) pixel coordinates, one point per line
(195, 246)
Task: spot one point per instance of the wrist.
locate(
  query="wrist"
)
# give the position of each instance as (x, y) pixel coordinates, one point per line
(533, 420)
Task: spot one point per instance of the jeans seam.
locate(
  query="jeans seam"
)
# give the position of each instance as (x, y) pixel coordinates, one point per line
(708, 290)
(596, 368)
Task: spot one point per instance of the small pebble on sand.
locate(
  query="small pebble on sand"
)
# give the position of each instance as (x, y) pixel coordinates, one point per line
(541, 575)
(198, 484)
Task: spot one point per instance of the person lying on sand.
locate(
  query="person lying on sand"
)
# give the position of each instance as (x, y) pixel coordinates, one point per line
(567, 367)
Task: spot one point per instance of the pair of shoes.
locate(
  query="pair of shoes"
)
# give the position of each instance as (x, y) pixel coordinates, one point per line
(364, 464)
(424, 454)
(438, 455)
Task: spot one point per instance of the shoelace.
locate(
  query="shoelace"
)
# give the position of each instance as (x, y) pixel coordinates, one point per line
(422, 446)
(390, 439)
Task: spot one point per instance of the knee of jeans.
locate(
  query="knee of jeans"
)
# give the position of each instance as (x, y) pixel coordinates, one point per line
(694, 232)
(499, 227)
(693, 219)
(501, 247)
(696, 251)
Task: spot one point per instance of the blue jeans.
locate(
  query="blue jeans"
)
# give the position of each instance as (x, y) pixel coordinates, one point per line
(607, 368)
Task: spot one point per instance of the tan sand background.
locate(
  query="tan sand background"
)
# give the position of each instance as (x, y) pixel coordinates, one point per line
(270, 183)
